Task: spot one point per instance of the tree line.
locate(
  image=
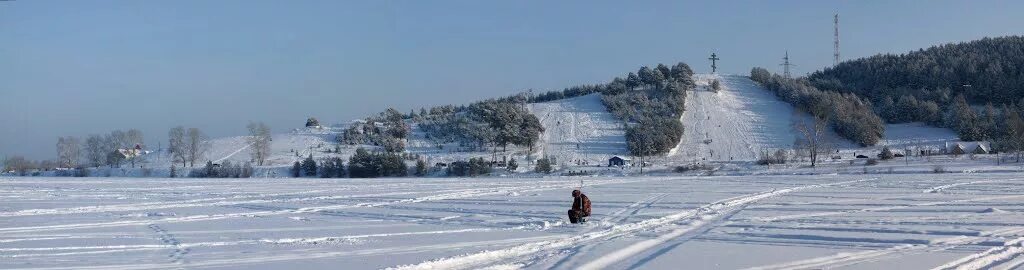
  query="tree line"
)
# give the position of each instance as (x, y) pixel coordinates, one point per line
(186, 146)
(650, 102)
(944, 86)
(493, 122)
(850, 116)
(362, 164)
(985, 70)
(387, 130)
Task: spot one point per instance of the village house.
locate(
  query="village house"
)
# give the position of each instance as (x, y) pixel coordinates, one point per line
(617, 161)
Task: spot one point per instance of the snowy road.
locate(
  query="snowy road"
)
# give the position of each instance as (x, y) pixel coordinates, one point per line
(958, 221)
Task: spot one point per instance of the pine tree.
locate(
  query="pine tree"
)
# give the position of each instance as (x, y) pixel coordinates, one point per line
(543, 166)
(209, 170)
(309, 166)
(421, 167)
(632, 81)
(296, 170)
(646, 76)
(512, 165)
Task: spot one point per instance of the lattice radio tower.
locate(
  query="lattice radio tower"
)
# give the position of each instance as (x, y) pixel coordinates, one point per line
(785, 65)
(835, 61)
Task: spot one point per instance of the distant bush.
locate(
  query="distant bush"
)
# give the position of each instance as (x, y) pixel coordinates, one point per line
(692, 167)
(938, 169)
(421, 167)
(767, 157)
(332, 167)
(473, 167)
(225, 170)
(886, 154)
(871, 162)
(512, 165)
(364, 164)
(312, 122)
(543, 166)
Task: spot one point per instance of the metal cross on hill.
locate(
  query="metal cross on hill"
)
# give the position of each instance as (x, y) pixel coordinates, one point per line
(713, 59)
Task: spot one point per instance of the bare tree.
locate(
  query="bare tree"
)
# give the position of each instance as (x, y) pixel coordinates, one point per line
(69, 149)
(94, 150)
(134, 138)
(176, 144)
(118, 139)
(19, 165)
(812, 137)
(259, 142)
(195, 145)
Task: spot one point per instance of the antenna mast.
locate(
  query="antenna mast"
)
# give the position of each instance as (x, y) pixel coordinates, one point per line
(836, 55)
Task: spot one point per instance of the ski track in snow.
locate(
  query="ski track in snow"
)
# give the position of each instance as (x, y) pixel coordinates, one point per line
(639, 223)
(579, 129)
(733, 124)
(705, 212)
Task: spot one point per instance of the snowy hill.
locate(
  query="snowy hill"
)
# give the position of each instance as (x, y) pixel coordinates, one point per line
(579, 130)
(736, 123)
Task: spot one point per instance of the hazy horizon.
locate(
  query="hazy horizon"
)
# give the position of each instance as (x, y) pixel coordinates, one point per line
(74, 68)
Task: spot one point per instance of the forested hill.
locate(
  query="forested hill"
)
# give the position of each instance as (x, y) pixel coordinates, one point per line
(986, 70)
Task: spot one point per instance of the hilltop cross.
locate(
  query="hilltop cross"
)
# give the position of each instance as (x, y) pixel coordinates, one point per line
(713, 59)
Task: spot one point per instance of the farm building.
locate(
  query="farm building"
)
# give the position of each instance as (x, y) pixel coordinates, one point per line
(960, 148)
(618, 161)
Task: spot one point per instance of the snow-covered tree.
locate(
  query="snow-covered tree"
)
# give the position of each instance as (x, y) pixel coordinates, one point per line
(259, 141)
(69, 149)
(176, 145)
(195, 145)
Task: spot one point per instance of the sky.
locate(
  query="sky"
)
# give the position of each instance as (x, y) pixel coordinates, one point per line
(74, 68)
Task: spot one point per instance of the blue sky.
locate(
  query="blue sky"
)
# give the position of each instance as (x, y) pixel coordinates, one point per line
(82, 67)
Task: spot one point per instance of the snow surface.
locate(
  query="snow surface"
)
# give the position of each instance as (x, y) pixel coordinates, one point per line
(579, 131)
(874, 221)
(736, 123)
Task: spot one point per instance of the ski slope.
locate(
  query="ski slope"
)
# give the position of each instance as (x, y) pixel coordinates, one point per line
(878, 221)
(579, 131)
(736, 123)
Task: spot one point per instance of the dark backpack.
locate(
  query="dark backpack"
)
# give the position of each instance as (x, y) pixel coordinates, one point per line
(586, 205)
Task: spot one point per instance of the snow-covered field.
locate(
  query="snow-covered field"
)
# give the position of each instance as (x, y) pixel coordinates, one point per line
(579, 131)
(897, 221)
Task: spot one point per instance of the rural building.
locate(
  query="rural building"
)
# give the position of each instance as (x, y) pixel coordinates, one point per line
(962, 147)
(618, 161)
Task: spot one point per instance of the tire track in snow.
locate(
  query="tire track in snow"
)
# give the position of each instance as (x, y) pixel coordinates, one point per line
(941, 188)
(180, 249)
(613, 218)
(444, 196)
(304, 255)
(1004, 257)
(850, 258)
(530, 250)
(882, 209)
(221, 201)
